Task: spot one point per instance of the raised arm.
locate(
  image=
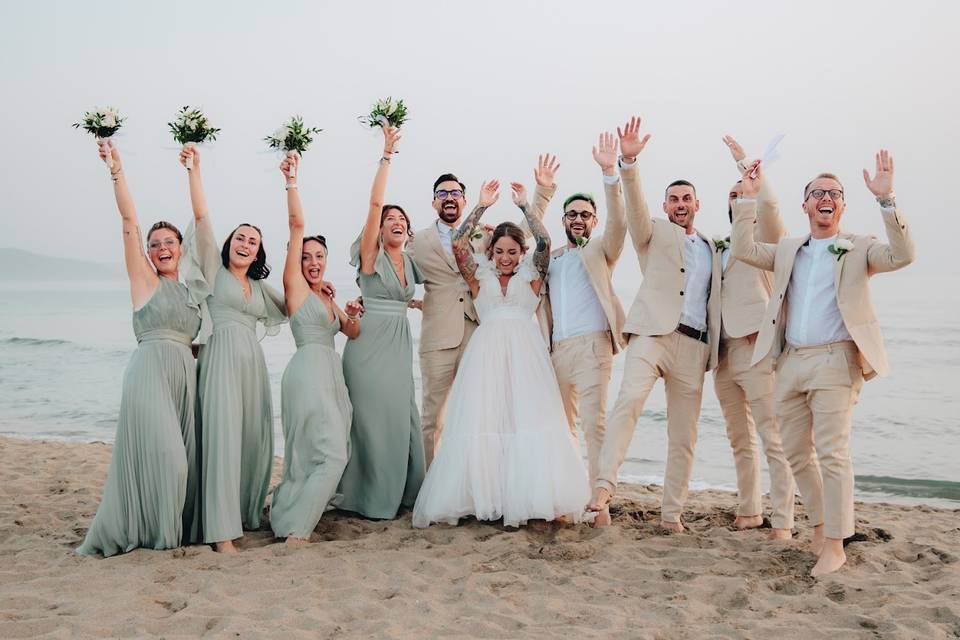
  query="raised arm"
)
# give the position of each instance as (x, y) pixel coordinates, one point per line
(544, 174)
(143, 279)
(638, 215)
(209, 253)
(489, 193)
(743, 246)
(370, 241)
(615, 229)
(898, 251)
(541, 255)
(295, 286)
(770, 227)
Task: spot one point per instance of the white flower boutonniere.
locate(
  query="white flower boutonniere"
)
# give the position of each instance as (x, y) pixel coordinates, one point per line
(721, 243)
(840, 247)
(581, 242)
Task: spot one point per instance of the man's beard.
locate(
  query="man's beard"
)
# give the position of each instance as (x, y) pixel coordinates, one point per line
(572, 238)
(449, 216)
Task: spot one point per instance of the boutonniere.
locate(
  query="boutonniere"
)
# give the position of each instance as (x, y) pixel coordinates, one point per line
(840, 247)
(581, 242)
(721, 243)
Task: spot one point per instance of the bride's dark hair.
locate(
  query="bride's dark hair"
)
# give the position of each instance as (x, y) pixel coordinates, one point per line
(510, 230)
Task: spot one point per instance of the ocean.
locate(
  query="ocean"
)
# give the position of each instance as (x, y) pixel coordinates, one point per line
(64, 347)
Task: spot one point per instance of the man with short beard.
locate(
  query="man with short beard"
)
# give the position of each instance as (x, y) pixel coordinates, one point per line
(673, 329)
(449, 318)
(580, 315)
(821, 327)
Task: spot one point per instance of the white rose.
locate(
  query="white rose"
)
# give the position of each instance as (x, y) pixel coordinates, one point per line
(282, 133)
(391, 108)
(382, 105)
(108, 120)
(844, 244)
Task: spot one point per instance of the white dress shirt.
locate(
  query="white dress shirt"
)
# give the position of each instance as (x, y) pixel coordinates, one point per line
(446, 236)
(697, 269)
(724, 259)
(813, 316)
(574, 303)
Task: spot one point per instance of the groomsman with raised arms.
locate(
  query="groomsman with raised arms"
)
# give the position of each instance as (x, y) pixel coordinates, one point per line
(449, 318)
(821, 327)
(580, 315)
(673, 329)
(745, 390)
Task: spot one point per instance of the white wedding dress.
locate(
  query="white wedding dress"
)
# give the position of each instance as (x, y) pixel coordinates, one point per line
(506, 450)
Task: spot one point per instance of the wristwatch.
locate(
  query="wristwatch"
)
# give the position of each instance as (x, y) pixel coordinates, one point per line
(888, 201)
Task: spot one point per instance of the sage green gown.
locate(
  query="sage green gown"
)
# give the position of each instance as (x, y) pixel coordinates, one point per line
(316, 423)
(236, 411)
(386, 464)
(150, 498)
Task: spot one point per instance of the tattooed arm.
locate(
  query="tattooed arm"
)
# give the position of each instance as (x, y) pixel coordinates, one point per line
(462, 251)
(541, 255)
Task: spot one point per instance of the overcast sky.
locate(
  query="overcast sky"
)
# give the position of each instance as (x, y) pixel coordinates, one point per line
(489, 86)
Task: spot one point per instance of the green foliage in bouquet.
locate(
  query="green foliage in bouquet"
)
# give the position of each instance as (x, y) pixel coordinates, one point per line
(102, 123)
(292, 136)
(389, 111)
(191, 125)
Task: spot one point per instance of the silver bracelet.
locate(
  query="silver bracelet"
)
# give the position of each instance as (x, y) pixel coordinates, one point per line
(292, 185)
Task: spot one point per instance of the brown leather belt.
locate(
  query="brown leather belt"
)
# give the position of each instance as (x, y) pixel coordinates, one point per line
(693, 333)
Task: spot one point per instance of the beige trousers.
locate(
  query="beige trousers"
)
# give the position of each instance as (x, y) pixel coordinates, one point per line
(583, 365)
(746, 398)
(815, 392)
(681, 361)
(437, 370)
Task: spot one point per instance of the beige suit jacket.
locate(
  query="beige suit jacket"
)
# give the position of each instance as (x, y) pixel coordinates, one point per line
(660, 246)
(599, 258)
(745, 290)
(446, 299)
(851, 275)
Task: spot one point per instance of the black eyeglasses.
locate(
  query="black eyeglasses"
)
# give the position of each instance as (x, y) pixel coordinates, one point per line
(586, 216)
(443, 194)
(835, 194)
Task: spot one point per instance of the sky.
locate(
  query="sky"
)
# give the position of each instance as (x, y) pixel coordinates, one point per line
(489, 86)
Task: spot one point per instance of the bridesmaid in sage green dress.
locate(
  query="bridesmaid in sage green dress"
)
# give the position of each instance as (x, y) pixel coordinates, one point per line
(150, 497)
(315, 405)
(236, 412)
(386, 464)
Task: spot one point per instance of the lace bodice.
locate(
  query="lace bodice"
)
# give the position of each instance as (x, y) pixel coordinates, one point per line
(519, 303)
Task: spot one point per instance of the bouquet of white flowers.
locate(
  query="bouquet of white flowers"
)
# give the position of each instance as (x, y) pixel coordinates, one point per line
(386, 112)
(102, 123)
(192, 127)
(292, 138)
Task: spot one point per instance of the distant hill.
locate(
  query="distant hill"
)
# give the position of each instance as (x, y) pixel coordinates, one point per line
(19, 265)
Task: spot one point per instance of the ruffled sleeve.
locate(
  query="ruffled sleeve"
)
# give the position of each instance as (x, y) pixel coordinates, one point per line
(485, 267)
(275, 306)
(199, 264)
(526, 272)
(381, 265)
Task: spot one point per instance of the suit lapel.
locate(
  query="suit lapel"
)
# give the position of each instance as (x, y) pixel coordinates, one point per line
(434, 236)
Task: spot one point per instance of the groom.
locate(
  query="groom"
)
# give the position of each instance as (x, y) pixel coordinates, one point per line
(580, 315)
(821, 327)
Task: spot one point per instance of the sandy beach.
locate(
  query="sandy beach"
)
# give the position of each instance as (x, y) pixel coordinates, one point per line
(384, 579)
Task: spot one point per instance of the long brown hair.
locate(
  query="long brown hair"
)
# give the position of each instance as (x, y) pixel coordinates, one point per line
(510, 230)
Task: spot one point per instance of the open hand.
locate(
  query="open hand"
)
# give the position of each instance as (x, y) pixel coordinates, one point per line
(882, 182)
(489, 193)
(631, 144)
(518, 193)
(735, 149)
(605, 153)
(545, 170)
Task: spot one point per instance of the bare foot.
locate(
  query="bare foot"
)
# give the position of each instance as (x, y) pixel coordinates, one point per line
(831, 558)
(816, 546)
(293, 540)
(676, 527)
(599, 503)
(748, 522)
(780, 534)
(226, 546)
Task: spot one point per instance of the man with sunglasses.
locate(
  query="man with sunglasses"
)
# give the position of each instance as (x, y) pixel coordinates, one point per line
(821, 327)
(580, 315)
(673, 330)
(745, 390)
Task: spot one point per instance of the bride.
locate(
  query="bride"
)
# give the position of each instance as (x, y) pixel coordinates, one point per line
(506, 450)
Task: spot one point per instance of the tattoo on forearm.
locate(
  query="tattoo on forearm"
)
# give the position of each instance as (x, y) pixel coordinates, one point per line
(541, 256)
(461, 243)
